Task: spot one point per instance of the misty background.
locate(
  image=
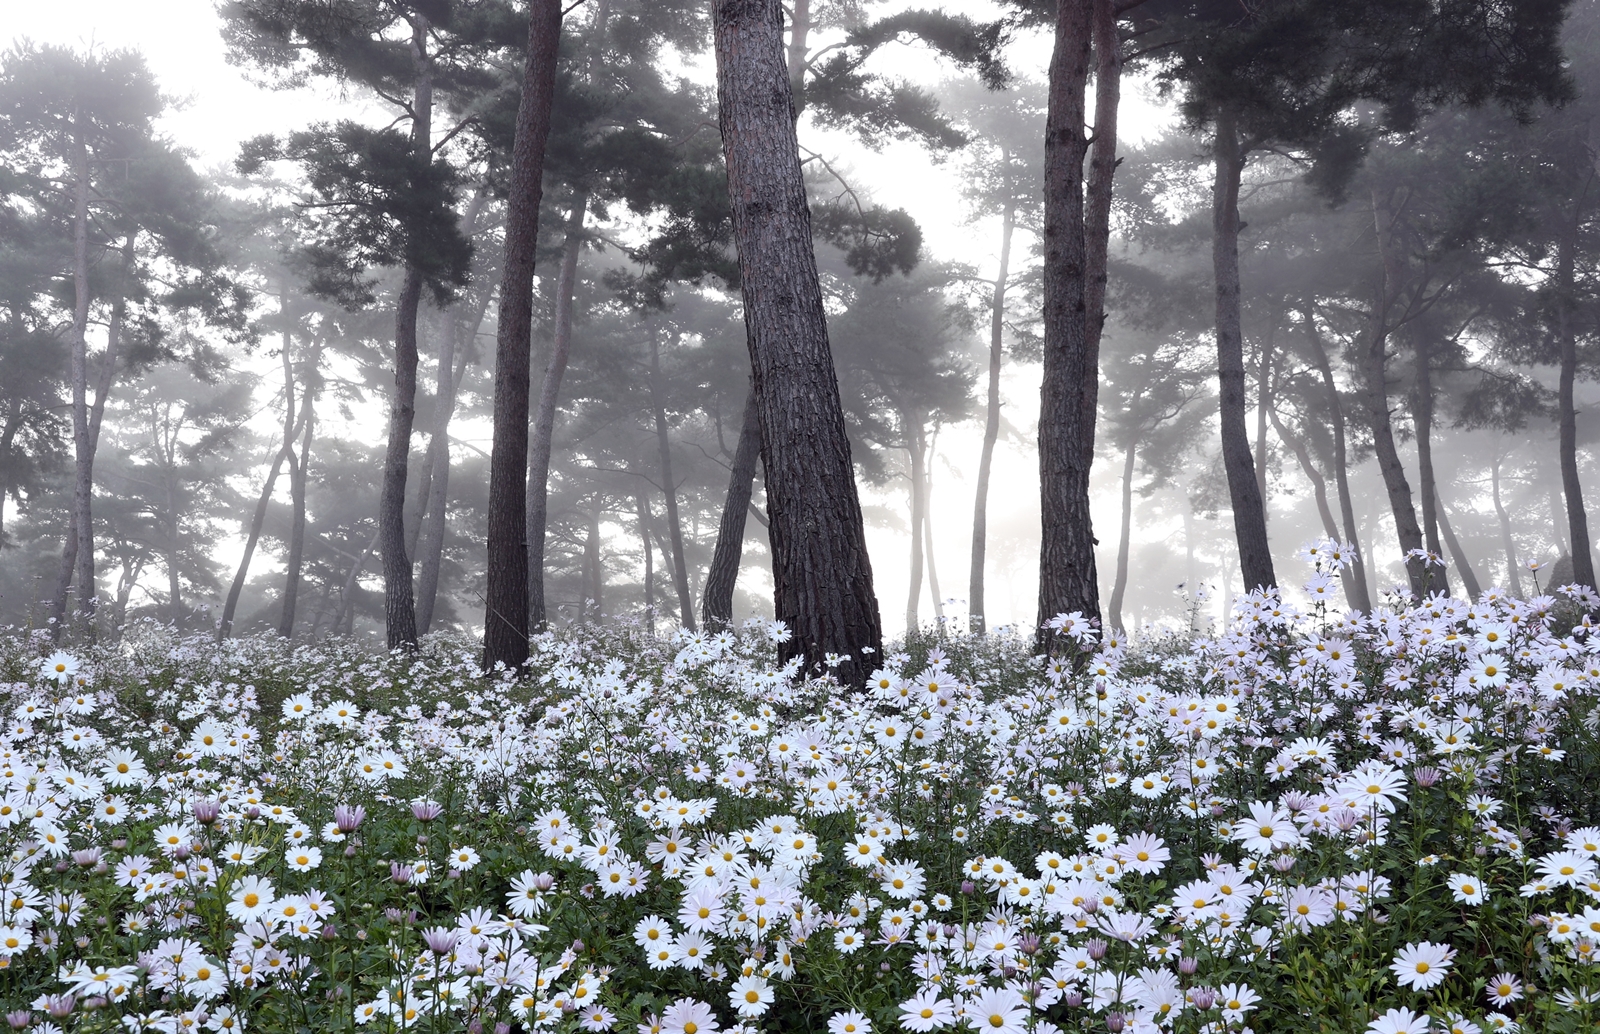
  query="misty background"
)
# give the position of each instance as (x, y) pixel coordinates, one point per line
(195, 415)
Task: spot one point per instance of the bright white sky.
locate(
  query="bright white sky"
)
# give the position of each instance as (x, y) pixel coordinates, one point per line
(219, 107)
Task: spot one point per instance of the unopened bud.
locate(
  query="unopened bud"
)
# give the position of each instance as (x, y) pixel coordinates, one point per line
(1187, 965)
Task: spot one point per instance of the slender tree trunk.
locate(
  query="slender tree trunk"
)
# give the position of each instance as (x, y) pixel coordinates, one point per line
(1249, 509)
(81, 562)
(1567, 417)
(537, 500)
(1319, 485)
(642, 501)
(1422, 419)
(927, 528)
(1263, 403)
(299, 479)
(1120, 587)
(345, 619)
(916, 448)
(231, 604)
(505, 635)
(1355, 576)
(991, 425)
(820, 566)
(1469, 579)
(1374, 360)
(594, 579)
(1514, 576)
(669, 486)
(1067, 396)
(7, 440)
(717, 602)
(1097, 204)
(799, 31)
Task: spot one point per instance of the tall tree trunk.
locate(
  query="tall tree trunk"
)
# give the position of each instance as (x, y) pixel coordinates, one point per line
(1097, 204)
(799, 31)
(299, 479)
(991, 424)
(505, 625)
(345, 619)
(430, 545)
(537, 499)
(1469, 579)
(1374, 357)
(1427, 487)
(594, 575)
(1513, 576)
(1263, 403)
(821, 570)
(927, 528)
(916, 449)
(1567, 416)
(669, 486)
(1249, 509)
(1355, 576)
(81, 562)
(1067, 396)
(1120, 587)
(716, 605)
(231, 605)
(642, 502)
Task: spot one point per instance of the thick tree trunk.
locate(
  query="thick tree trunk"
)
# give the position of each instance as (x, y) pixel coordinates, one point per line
(1249, 509)
(1513, 576)
(1355, 576)
(716, 606)
(991, 425)
(1469, 579)
(799, 32)
(1119, 588)
(642, 503)
(505, 633)
(537, 499)
(669, 487)
(1427, 488)
(916, 449)
(1374, 356)
(823, 576)
(1567, 417)
(1068, 581)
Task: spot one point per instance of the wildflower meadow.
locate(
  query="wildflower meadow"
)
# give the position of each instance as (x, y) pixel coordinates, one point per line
(1307, 821)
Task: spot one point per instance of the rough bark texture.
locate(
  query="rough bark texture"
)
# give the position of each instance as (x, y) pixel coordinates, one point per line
(716, 605)
(1120, 587)
(1567, 418)
(1067, 396)
(1469, 579)
(823, 576)
(991, 425)
(1244, 494)
(505, 634)
(1373, 356)
(669, 488)
(536, 501)
(1355, 576)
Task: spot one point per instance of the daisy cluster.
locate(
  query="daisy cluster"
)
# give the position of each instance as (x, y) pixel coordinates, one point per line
(1306, 820)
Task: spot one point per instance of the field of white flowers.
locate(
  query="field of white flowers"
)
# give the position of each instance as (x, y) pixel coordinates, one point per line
(1306, 822)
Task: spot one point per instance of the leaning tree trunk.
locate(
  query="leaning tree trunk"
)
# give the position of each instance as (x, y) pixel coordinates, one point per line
(253, 534)
(1355, 576)
(821, 570)
(916, 449)
(1567, 417)
(991, 425)
(1512, 575)
(536, 502)
(1468, 579)
(1068, 581)
(669, 488)
(1373, 356)
(1319, 484)
(1120, 587)
(716, 605)
(1427, 487)
(506, 612)
(1249, 509)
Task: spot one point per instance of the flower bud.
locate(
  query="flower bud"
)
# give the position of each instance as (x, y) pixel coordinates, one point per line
(401, 874)
(1203, 998)
(1187, 965)
(1096, 948)
(347, 817)
(968, 887)
(1115, 1021)
(19, 1018)
(206, 811)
